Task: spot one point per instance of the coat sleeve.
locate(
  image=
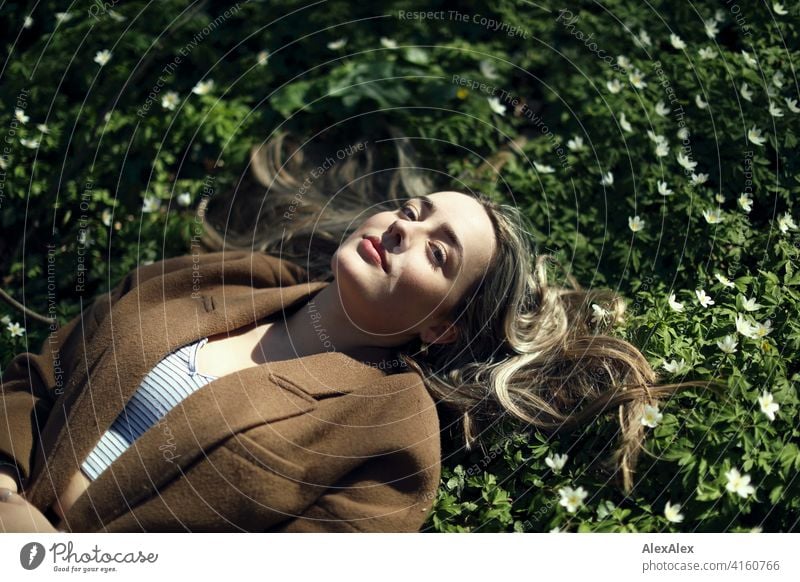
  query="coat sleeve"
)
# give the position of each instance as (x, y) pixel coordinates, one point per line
(31, 384)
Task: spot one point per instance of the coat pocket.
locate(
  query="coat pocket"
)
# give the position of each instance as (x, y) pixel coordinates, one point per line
(263, 458)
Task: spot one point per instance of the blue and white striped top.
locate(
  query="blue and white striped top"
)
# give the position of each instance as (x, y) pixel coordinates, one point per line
(173, 379)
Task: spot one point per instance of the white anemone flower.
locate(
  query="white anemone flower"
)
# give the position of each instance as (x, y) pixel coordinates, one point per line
(750, 304)
(713, 216)
(768, 404)
(711, 28)
(170, 100)
(664, 189)
(676, 42)
(571, 498)
(675, 367)
(203, 87)
(624, 123)
(754, 135)
(673, 512)
(487, 68)
(750, 61)
(651, 416)
(786, 222)
(792, 105)
(543, 168)
(575, 144)
(102, 57)
(745, 202)
(699, 101)
(607, 179)
(700, 178)
(15, 329)
(391, 44)
(728, 344)
(685, 162)
(556, 462)
(739, 484)
(707, 53)
(778, 8)
(337, 44)
(635, 223)
(20, 116)
(774, 110)
(496, 106)
(705, 300)
(662, 109)
(662, 149)
(724, 280)
(614, 86)
(637, 79)
(745, 92)
(674, 305)
(624, 62)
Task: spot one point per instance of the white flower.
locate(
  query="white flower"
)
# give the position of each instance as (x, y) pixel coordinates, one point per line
(744, 327)
(663, 189)
(751, 305)
(777, 79)
(102, 57)
(29, 143)
(674, 305)
(785, 222)
(651, 416)
(779, 9)
(683, 133)
(391, 44)
(699, 101)
(698, 179)
(28, 22)
(624, 124)
(792, 105)
(203, 87)
(768, 405)
(738, 483)
(755, 136)
(63, 17)
(607, 179)
(170, 100)
(184, 198)
(718, 197)
(5, 320)
(711, 28)
(635, 223)
(637, 79)
(674, 367)
(496, 106)
(707, 53)
(719, 15)
(543, 168)
(728, 344)
(614, 86)
(106, 217)
(337, 44)
(662, 109)
(705, 300)
(724, 280)
(684, 161)
(623, 62)
(745, 202)
(262, 58)
(3, 162)
(556, 462)
(774, 110)
(571, 498)
(575, 144)
(745, 92)
(713, 216)
(151, 204)
(672, 512)
(116, 16)
(43, 127)
(749, 60)
(662, 149)
(643, 39)
(15, 330)
(676, 42)
(762, 329)
(487, 68)
(599, 314)
(657, 138)
(20, 115)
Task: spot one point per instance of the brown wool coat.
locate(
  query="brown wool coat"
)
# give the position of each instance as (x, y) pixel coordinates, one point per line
(319, 443)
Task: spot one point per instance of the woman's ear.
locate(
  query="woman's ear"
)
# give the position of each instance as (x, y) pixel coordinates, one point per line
(439, 333)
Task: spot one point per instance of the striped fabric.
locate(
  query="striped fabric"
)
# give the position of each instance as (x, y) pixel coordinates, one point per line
(173, 379)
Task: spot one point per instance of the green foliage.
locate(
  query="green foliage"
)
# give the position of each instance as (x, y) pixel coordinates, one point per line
(102, 190)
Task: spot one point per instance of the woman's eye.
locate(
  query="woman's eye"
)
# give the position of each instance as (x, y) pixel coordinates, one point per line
(408, 207)
(441, 257)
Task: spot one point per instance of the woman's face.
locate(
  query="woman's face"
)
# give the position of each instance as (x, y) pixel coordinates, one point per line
(424, 275)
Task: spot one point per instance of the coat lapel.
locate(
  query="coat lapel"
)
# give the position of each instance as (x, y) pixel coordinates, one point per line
(145, 325)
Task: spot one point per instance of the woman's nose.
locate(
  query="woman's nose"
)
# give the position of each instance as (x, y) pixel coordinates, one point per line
(395, 236)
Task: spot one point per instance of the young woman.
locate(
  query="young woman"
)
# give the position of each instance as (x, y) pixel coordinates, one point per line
(238, 391)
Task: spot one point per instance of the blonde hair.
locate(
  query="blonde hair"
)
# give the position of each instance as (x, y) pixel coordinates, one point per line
(525, 348)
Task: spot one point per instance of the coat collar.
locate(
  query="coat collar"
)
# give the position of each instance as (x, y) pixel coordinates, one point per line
(145, 325)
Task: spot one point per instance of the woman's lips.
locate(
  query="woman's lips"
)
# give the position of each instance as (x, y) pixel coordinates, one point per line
(371, 246)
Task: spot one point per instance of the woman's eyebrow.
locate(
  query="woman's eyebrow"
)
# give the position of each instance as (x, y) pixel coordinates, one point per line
(431, 208)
